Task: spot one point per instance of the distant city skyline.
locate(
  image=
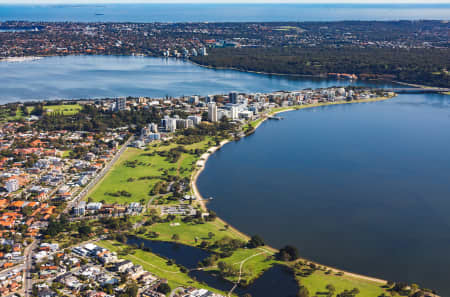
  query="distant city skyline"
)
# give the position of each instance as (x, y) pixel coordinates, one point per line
(223, 1)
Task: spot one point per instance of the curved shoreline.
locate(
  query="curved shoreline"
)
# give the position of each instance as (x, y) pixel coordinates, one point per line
(257, 72)
(200, 164)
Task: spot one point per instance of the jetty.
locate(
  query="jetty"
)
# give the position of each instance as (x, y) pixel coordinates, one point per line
(274, 118)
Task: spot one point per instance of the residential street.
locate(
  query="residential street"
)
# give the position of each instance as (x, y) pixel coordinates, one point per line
(28, 281)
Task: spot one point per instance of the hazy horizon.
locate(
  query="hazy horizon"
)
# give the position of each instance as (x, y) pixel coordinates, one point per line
(371, 2)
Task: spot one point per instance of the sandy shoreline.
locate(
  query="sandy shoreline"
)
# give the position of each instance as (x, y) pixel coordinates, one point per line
(200, 164)
(300, 107)
(204, 158)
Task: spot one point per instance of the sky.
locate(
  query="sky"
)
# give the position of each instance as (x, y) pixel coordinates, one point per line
(219, 1)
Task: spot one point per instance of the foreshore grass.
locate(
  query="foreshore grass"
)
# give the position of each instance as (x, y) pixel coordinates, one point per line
(254, 124)
(125, 177)
(298, 107)
(156, 265)
(256, 261)
(190, 233)
(317, 282)
(253, 262)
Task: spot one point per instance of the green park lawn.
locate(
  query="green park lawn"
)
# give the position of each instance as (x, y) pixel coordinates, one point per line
(156, 265)
(65, 109)
(188, 232)
(68, 109)
(6, 116)
(317, 282)
(254, 263)
(123, 177)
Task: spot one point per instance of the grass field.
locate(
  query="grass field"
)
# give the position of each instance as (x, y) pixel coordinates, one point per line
(188, 232)
(65, 109)
(122, 177)
(253, 267)
(157, 266)
(317, 282)
(69, 109)
(6, 116)
(254, 263)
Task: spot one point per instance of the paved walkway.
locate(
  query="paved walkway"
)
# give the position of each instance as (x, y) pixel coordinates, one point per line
(240, 269)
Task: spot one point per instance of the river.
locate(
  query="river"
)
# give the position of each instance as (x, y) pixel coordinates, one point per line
(78, 77)
(363, 187)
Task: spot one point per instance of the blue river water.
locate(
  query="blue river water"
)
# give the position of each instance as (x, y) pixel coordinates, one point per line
(364, 187)
(223, 12)
(78, 77)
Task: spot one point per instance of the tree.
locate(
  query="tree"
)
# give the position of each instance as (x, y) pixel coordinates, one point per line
(331, 289)
(288, 253)
(38, 110)
(226, 269)
(132, 290)
(303, 292)
(255, 241)
(164, 288)
(210, 235)
(84, 230)
(175, 237)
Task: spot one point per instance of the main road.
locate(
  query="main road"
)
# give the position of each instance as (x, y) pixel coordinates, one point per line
(27, 279)
(99, 176)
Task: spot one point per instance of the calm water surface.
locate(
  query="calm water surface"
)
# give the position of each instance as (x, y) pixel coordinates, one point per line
(276, 281)
(364, 187)
(112, 76)
(223, 12)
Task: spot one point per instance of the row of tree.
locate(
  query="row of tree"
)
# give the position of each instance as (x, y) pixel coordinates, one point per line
(420, 66)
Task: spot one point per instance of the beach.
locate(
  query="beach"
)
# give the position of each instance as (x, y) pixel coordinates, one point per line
(204, 158)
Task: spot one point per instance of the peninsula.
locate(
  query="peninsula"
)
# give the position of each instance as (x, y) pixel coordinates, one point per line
(409, 51)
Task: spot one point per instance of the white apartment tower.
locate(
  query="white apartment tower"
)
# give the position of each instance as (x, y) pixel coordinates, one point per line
(120, 103)
(234, 111)
(12, 185)
(212, 112)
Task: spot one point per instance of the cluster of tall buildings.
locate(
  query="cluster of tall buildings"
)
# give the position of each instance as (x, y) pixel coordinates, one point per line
(170, 124)
(185, 53)
(236, 108)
